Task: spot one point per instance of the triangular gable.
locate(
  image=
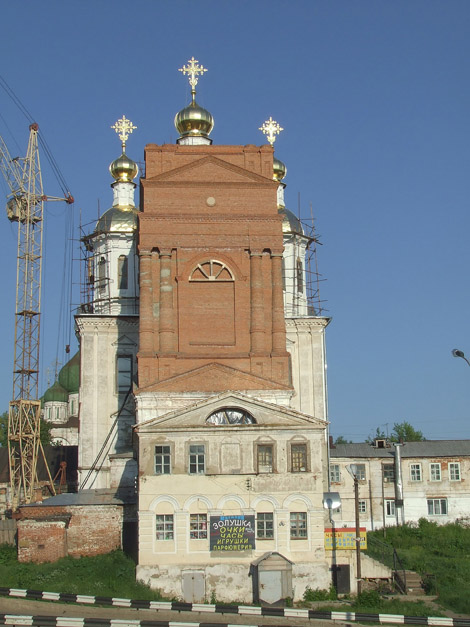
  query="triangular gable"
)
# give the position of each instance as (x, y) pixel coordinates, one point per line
(213, 377)
(265, 414)
(124, 340)
(211, 170)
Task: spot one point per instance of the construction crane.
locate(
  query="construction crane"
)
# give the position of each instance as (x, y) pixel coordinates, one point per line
(25, 205)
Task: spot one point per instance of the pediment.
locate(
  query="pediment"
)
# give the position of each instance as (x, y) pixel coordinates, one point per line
(210, 170)
(266, 415)
(124, 341)
(213, 377)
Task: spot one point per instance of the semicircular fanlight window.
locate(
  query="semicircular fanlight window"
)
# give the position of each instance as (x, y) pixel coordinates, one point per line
(231, 416)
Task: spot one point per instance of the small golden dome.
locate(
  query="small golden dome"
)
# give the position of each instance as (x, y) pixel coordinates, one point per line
(279, 169)
(123, 169)
(193, 120)
(118, 220)
(290, 222)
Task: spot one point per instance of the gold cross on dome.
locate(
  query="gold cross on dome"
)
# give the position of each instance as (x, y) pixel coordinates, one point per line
(193, 69)
(271, 128)
(123, 128)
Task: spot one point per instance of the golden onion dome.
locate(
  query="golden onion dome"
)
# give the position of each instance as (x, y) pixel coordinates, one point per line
(194, 120)
(290, 223)
(123, 169)
(279, 169)
(118, 220)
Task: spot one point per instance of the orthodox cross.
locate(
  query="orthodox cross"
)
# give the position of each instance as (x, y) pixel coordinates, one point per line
(124, 128)
(193, 69)
(271, 128)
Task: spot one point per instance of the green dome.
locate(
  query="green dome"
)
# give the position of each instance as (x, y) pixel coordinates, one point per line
(56, 393)
(69, 376)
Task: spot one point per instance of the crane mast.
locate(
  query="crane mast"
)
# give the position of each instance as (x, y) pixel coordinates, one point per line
(25, 205)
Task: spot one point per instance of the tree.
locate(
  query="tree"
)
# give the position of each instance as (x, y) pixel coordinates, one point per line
(45, 430)
(401, 432)
(342, 440)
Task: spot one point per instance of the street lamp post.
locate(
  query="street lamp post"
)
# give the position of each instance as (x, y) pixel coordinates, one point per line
(458, 353)
(352, 469)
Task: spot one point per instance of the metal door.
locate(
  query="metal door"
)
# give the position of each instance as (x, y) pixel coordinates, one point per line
(270, 585)
(194, 586)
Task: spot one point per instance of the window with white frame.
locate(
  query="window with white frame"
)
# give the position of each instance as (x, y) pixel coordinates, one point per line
(265, 457)
(123, 373)
(298, 457)
(361, 472)
(388, 473)
(437, 507)
(162, 460)
(435, 472)
(164, 527)
(198, 526)
(415, 472)
(454, 471)
(298, 525)
(197, 459)
(265, 525)
(362, 507)
(335, 473)
(390, 507)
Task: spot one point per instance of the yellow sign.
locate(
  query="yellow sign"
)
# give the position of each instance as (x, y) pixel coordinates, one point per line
(344, 539)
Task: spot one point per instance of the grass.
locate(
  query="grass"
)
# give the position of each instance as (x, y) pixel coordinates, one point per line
(111, 575)
(440, 554)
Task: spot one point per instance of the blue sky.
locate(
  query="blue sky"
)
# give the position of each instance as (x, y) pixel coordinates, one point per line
(374, 98)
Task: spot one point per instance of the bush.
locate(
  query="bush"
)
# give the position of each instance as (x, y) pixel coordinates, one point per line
(320, 595)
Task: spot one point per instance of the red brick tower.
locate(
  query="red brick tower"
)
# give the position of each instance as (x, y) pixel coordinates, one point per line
(211, 296)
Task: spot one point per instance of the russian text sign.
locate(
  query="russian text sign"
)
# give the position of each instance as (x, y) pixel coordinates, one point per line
(232, 533)
(344, 538)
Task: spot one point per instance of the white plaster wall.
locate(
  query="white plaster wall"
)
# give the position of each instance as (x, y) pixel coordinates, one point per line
(295, 301)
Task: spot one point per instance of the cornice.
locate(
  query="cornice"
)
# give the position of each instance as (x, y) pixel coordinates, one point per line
(299, 323)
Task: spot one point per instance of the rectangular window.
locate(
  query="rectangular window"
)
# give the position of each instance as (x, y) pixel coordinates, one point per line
(454, 471)
(265, 526)
(299, 457)
(437, 507)
(298, 525)
(390, 507)
(164, 529)
(197, 459)
(335, 473)
(123, 373)
(162, 460)
(265, 458)
(415, 472)
(435, 472)
(362, 507)
(198, 526)
(361, 472)
(389, 473)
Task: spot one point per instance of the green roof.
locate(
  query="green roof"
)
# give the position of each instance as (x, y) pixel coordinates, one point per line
(56, 393)
(69, 376)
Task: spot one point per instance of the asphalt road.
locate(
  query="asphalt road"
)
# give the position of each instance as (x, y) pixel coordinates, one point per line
(44, 608)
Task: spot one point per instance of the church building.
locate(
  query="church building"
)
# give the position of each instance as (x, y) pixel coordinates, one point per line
(200, 334)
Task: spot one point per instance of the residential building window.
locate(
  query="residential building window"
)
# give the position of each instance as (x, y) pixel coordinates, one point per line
(335, 473)
(388, 473)
(435, 472)
(362, 507)
(390, 507)
(298, 525)
(124, 373)
(265, 457)
(437, 507)
(454, 471)
(361, 472)
(162, 460)
(198, 526)
(415, 472)
(265, 526)
(298, 457)
(122, 272)
(164, 529)
(197, 459)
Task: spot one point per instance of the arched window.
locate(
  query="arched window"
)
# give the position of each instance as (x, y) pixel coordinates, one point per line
(231, 416)
(101, 274)
(300, 276)
(122, 272)
(211, 270)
